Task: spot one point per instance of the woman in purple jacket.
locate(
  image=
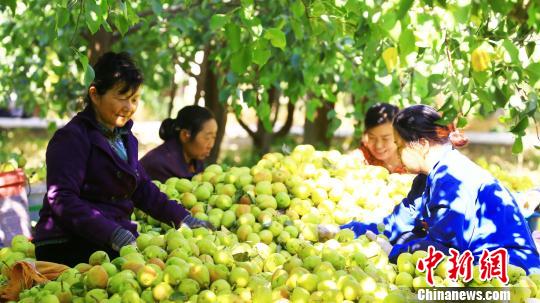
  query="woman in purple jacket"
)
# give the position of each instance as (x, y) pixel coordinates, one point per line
(188, 141)
(94, 179)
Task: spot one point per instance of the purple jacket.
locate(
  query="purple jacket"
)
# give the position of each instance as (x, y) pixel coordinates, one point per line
(91, 191)
(167, 161)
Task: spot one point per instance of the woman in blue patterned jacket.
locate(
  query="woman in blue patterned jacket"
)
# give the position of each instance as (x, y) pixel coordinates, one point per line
(462, 206)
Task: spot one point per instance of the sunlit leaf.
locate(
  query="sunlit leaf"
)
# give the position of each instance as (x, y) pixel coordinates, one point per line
(276, 37)
(517, 147)
(218, 21)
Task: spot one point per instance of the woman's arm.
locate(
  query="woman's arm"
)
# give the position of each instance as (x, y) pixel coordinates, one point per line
(402, 219)
(67, 156)
(148, 198)
(446, 208)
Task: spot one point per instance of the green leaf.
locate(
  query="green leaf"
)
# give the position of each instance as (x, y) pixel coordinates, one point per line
(131, 16)
(512, 50)
(12, 4)
(92, 14)
(404, 7)
(501, 6)
(276, 37)
(529, 48)
(406, 42)
(311, 108)
(388, 20)
(462, 122)
(297, 8)
(87, 70)
(62, 17)
(77, 289)
(481, 78)
(500, 98)
(83, 59)
(157, 7)
(486, 100)
(241, 257)
(62, 3)
(335, 122)
(298, 29)
(521, 126)
(533, 71)
(355, 7)
(448, 117)
(232, 31)
(263, 112)
(421, 85)
(88, 75)
(532, 103)
(218, 21)
(518, 146)
(104, 7)
(106, 26)
(261, 53)
(462, 13)
(121, 24)
(246, 3)
(241, 60)
(178, 296)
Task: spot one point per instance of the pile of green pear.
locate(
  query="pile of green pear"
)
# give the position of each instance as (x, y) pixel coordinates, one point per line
(267, 247)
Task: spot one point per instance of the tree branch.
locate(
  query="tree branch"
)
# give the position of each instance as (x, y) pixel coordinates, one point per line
(284, 130)
(201, 79)
(76, 24)
(174, 86)
(171, 10)
(273, 97)
(245, 127)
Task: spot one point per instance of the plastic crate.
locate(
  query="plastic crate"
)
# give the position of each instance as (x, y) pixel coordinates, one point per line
(35, 199)
(14, 218)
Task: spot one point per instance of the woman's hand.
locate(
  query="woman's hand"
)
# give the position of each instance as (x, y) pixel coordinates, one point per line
(122, 237)
(383, 243)
(193, 222)
(327, 231)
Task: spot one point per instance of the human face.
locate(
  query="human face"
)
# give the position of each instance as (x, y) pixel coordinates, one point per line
(380, 142)
(200, 147)
(114, 109)
(412, 154)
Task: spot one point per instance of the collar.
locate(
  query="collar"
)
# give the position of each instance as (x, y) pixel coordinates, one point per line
(112, 134)
(444, 155)
(89, 115)
(175, 146)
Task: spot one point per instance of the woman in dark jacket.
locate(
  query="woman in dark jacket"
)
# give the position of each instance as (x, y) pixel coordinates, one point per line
(94, 179)
(188, 141)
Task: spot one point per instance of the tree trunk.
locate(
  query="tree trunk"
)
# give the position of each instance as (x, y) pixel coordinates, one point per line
(262, 140)
(211, 98)
(98, 44)
(315, 132)
(201, 78)
(174, 85)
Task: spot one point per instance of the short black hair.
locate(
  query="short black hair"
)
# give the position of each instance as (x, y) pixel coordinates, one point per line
(421, 122)
(190, 118)
(114, 68)
(380, 113)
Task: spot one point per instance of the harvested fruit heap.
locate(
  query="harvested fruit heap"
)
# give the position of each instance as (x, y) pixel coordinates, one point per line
(267, 248)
